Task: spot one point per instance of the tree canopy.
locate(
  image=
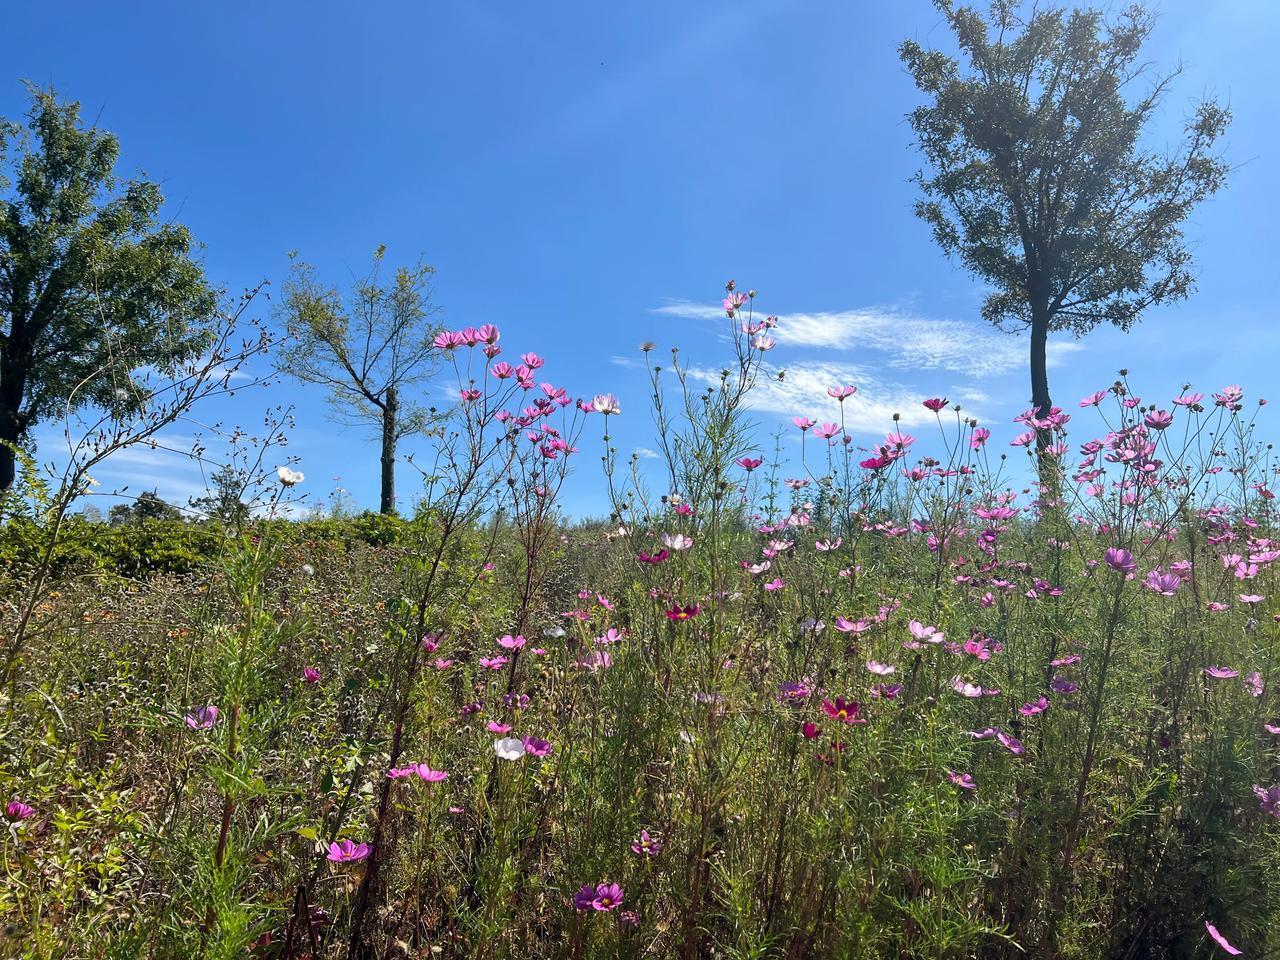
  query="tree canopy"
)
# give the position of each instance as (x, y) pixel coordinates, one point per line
(94, 285)
(1039, 183)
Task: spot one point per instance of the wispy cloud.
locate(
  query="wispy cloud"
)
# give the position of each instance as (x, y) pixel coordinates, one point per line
(644, 453)
(908, 342)
(803, 392)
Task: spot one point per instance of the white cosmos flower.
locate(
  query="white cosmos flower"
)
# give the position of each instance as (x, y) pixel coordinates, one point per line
(509, 748)
(677, 541)
(288, 477)
(606, 403)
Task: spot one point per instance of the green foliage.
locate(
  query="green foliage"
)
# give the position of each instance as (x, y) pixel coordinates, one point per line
(96, 283)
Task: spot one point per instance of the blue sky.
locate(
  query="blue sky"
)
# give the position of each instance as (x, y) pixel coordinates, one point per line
(586, 176)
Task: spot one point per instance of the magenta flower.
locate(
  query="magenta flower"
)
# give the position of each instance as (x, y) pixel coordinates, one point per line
(1221, 940)
(535, 747)
(843, 710)
(812, 731)
(428, 775)
(345, 851)
(804, 423)
(202, 718)
(1159, 419)
(647, 845)
(841, 393)
(603, 897)
(17, 811)
(964, 781)
(1031, 709)
(511, 643)
(1165, 584)
(748, 463)
(680, 614)
(494, 663)
(1121, 560)
(1268, 800)
(1253, 683)
(310, 675)
(1221, 673)
(935, 403)
(1012, 744)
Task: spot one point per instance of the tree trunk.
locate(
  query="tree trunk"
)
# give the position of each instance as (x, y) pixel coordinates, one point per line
(388, 505)
(1039, 373)
(10, 434)
(1041, 403)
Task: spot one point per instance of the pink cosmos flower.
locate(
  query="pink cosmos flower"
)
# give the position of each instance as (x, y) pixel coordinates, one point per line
(1093, 399)
(1188, 399)
(804, 423)
(980, 436)
(677, 541)
(494, 663)
(1221, 940)
(17, 811)
(1253, 683)
(1031, 709)
(1221, 673)
(843, 710)
(811, 731)
(511, 643)
(748, 463)
(964, 781)
(493, 726)
(880, 669)
(851, 626)
(202, 718)
(310, 675)
(1159, 420)
(841, 393)
(1251, 598)
(603, 897)
(1012, 744)
(1272, 729)
(966, 689)
(926, 633)
(647, 845)
(1120, 559)
(427, 775)
(775, 584)
(680, 614)
(345, 851)
(935, 403)
(1165, 584)
(535, 747)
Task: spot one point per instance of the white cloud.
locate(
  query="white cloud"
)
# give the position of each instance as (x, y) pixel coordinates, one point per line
(911, 342)
(644, 453)
(803, 392)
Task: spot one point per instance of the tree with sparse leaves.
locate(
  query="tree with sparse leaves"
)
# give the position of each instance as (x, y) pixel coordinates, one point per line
(149, 505)
(94, 285)
(365, 347)
(1039, 183)
(224, 502)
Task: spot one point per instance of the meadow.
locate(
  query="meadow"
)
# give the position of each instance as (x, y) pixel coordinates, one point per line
(789, 700)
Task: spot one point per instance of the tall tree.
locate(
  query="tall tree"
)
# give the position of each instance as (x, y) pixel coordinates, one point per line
(366, 347)
(1039, 184)
(93, 285)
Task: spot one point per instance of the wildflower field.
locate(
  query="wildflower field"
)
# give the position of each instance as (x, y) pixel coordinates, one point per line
(864, 703)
